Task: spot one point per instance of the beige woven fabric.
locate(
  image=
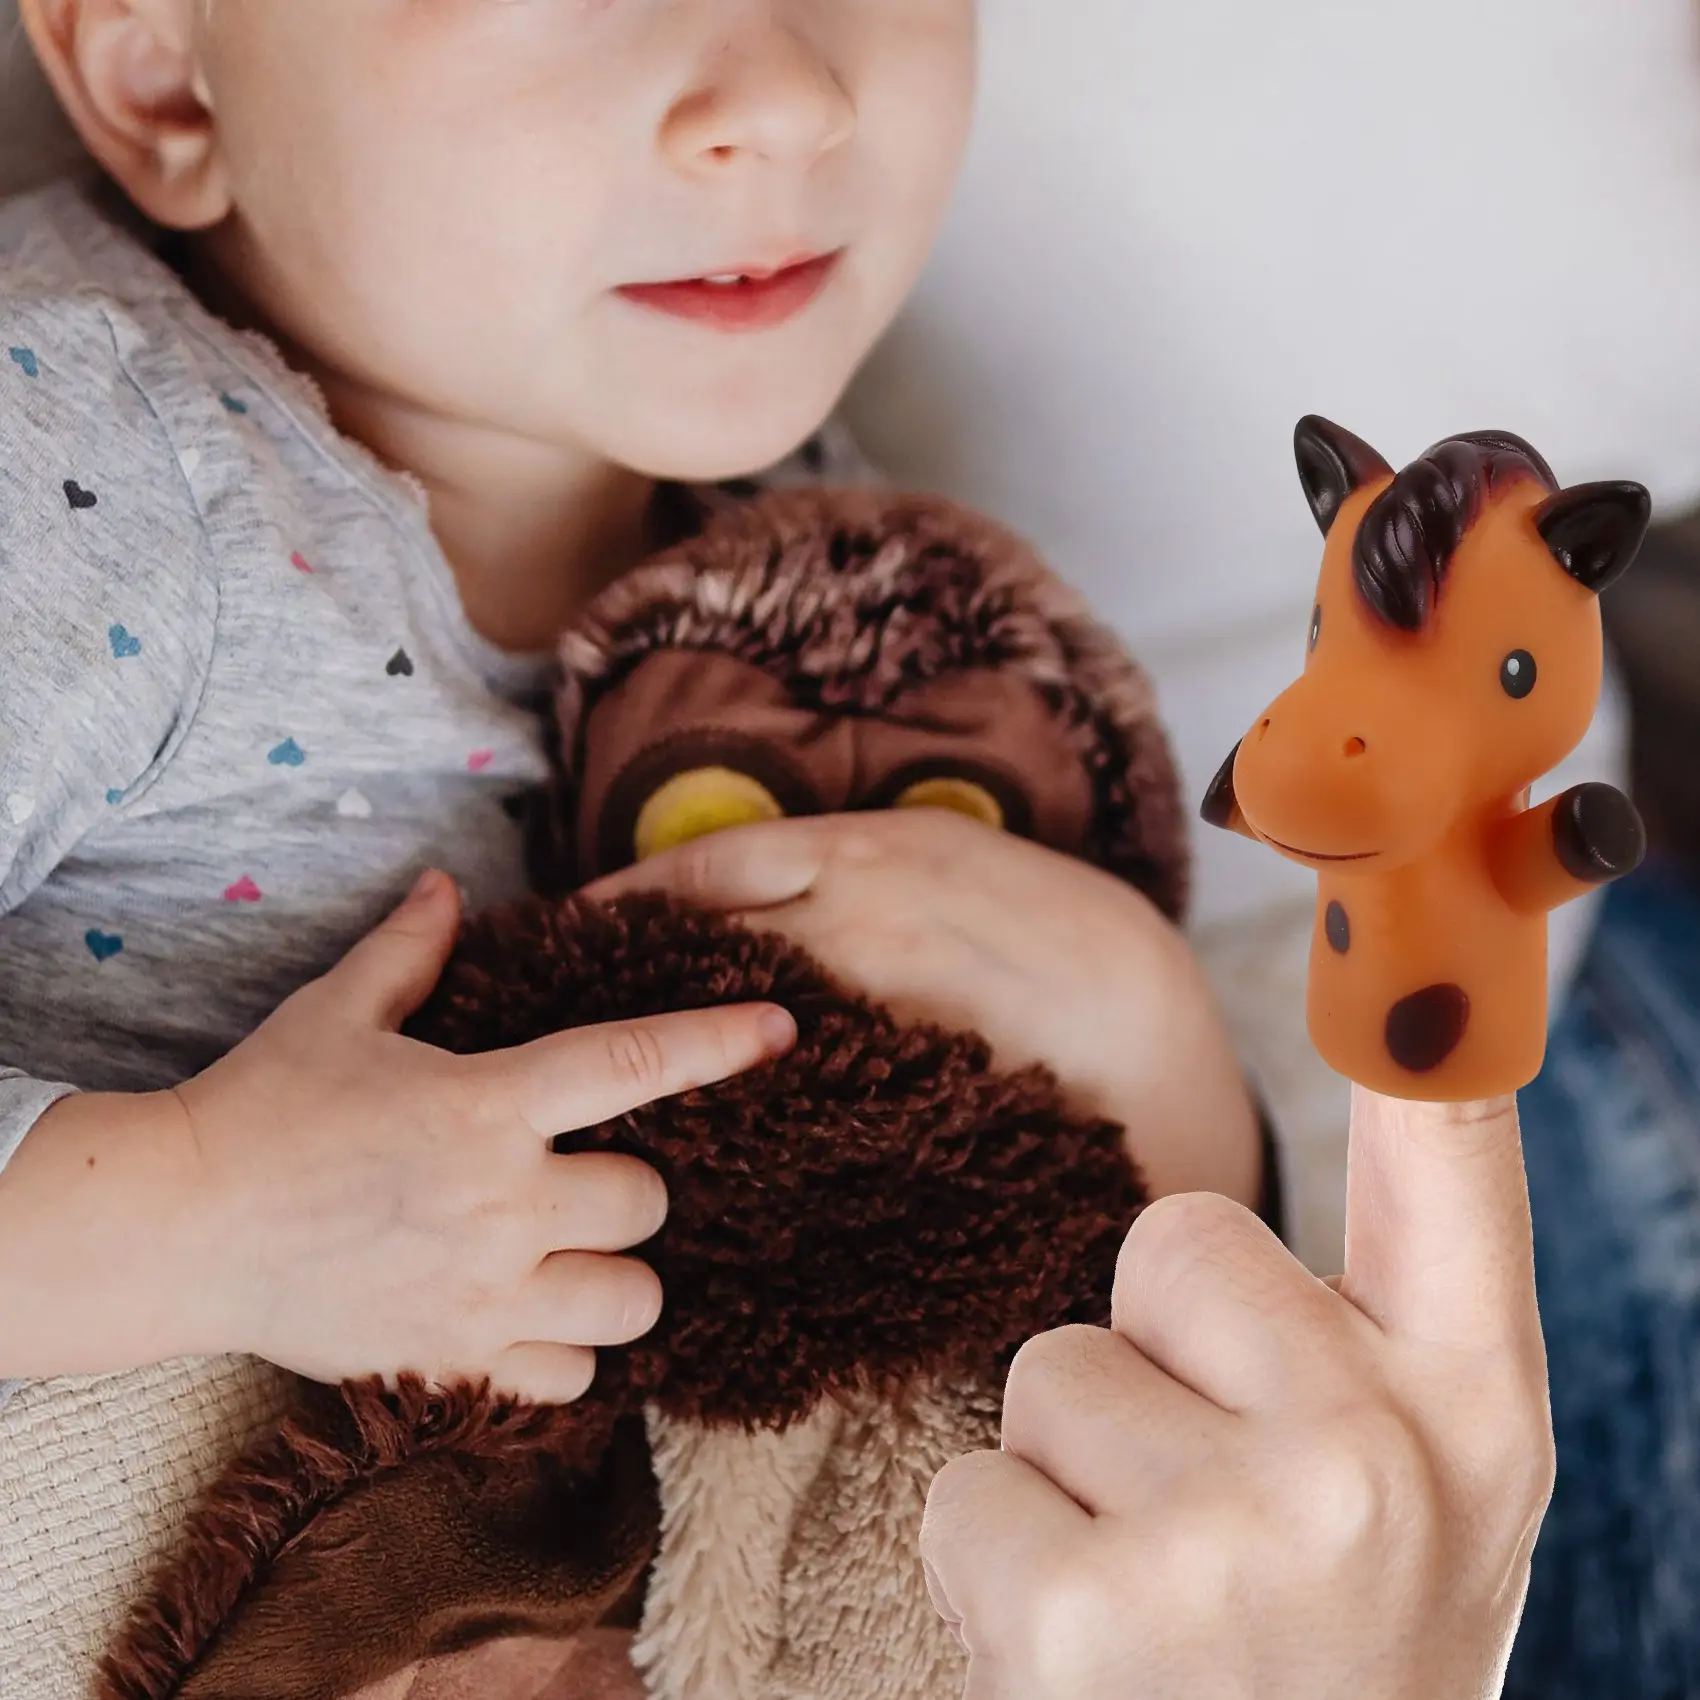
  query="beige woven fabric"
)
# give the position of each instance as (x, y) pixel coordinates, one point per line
(790, 1565)
(97, 1474)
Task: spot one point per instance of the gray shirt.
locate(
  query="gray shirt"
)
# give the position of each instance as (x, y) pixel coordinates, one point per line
(240, 702)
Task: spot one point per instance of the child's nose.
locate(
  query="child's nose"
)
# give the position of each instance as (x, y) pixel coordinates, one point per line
(766, 94)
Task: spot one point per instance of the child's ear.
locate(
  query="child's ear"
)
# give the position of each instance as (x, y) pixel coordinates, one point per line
(127, 75)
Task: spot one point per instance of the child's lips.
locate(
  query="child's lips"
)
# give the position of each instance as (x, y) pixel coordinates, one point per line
(752, 303)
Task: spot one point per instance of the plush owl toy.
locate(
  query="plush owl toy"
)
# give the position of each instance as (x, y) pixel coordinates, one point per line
(863, 1232)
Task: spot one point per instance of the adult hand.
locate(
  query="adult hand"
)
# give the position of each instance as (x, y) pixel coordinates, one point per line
(1052, 960)
(1259, 1483)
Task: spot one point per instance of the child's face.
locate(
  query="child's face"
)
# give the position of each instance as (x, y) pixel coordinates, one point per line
(441, 199)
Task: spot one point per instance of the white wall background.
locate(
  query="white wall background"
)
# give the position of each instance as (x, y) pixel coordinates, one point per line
(1184, 223)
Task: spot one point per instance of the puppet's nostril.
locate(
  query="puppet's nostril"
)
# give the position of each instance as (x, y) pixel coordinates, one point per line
(1262, 726)
(1355, 746)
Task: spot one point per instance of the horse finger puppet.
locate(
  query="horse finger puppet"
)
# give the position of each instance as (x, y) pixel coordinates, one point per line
(862, 1233)
(1455, 656)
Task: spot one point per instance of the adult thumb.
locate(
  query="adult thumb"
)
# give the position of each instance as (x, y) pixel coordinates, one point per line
(391, 971)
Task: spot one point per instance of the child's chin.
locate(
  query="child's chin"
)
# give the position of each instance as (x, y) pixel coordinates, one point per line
(724, 446)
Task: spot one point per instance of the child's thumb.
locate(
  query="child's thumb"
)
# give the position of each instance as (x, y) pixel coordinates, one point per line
(391, 971)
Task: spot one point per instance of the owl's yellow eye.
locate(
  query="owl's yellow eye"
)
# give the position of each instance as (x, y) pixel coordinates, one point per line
(697, 802)
(947, 792)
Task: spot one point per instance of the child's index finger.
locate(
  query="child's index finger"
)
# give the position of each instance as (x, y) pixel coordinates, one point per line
(1438, 1240)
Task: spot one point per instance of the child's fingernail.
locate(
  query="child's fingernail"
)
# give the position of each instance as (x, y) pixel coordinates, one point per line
(778, 1030)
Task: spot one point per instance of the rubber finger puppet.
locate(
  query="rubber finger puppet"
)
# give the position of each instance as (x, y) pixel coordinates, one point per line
(861, 1234)
(1454, 657)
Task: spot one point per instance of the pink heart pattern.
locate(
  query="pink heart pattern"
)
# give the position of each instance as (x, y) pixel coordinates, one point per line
(479, 760)
(244, 891)
(300, 562)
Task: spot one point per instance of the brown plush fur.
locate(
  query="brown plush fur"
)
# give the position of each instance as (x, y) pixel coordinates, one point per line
(878, 1207)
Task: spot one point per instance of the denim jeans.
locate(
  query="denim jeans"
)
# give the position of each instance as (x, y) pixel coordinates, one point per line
(1611, 1133)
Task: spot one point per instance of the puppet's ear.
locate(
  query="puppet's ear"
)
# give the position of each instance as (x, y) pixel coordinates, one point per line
(1332, 464)
(1595, 530)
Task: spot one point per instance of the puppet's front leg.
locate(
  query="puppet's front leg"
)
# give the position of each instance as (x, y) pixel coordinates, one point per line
(1568, 845)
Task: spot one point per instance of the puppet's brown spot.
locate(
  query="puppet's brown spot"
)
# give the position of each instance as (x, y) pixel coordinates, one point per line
(1338, 927)
(1423, 1030)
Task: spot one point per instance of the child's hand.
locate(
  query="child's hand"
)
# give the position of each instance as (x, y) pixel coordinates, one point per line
(1250, 1484)
(381, 1205)
(944, 919)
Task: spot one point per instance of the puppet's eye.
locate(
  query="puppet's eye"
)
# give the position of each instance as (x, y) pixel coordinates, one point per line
(697, 802)
(962, 795)
(1517, 673)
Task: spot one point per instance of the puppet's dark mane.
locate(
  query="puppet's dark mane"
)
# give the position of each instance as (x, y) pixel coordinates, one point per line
(1414, 527)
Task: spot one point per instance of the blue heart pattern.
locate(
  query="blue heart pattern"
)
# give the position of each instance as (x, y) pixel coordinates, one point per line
(123, 644)
(26, 362)
(102, 946)
(287, 754)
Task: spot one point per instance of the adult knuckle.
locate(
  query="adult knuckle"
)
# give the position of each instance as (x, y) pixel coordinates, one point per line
(1508, 1453)
(1063, 1367)
(1176, 1233)
(1077, 1608)
(1364, 1489)
(1180, 1222)
(954, 1483)
(1535, 1473)
(1196, 1555)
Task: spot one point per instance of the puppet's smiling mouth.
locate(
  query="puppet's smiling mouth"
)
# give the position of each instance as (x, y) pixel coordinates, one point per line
(1319, 855)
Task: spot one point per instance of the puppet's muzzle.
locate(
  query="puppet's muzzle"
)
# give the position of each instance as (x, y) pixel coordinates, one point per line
(1342, 789)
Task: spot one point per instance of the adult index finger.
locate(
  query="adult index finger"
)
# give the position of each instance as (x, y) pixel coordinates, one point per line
(1438, 1240)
